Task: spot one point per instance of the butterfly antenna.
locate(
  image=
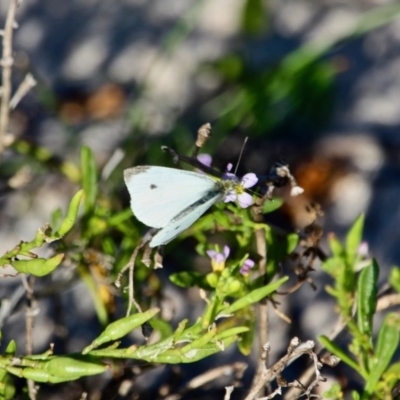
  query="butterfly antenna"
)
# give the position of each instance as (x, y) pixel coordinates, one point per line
(241, 152)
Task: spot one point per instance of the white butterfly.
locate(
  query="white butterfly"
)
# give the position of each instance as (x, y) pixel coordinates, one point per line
(173, 199)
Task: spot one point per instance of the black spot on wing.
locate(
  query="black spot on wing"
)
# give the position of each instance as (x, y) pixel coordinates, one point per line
(153, 186)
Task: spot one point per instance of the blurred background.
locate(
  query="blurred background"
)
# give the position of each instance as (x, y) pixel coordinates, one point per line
(313, 82)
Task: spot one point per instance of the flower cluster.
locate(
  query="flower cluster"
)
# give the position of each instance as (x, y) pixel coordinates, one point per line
(218, 261)
(238, 193)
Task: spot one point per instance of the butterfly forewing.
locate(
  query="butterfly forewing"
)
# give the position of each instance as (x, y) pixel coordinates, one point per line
(159, 194)
(186, 218)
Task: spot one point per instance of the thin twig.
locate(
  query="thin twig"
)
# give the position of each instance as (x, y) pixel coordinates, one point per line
(228, 392)
(262, 307)
(215, 373)
(292, 354)
(29, 316)
(131, 287)
(24, 87)
(131, 266)
(6, 63)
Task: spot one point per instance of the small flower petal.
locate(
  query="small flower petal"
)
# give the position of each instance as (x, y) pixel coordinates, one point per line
(249, 180)
(219, 258)
(363, 249)
(211, 253)
(245, 200)
(205, 159)
(247, 266)
(227, 250)
(230, 196)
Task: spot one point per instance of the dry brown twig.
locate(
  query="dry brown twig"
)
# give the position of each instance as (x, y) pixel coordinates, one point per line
(6, 63)
(30, 313)
(262, 307)
(294, 351)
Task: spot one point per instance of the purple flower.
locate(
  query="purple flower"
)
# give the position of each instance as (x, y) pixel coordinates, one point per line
(247, 266)
(218, 259)
(205, 159)
(238, 192)
(363, 250)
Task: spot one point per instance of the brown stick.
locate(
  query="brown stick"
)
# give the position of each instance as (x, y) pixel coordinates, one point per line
(6, 63)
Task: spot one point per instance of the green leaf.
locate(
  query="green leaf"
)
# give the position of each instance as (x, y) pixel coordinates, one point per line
(56, 217)
(254, 17)
(237, 330)
(72, 213)
(272, 205)
(245, 345)
(335, 246)
(335, 392)
(367, 297)
(162, 327)
(190, 279)
(355, 395)
(11, 348)
(121, 327)
(89, 178)
(338, 352)
(253, 297)
(92, 285)
(278, 248)
(388, 341)
(38, 266)
(120, 217)
(353, 239)
(394, 279)
(73, 367)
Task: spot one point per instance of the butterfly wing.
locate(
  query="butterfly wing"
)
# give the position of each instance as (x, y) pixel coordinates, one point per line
(159, 194)
(186, 218)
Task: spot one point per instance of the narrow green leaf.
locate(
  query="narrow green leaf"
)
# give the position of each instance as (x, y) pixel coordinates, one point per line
(278, 248)
(254, 17)
(272, 205)
(72, 213)
(335, 246)
(38, 266)
(89, 177)
(355, 395)
(237, 330)
(120, 217)
(98, 300)
(367, 297)
(201, 341)
(253, 297)
(245, 345)
(11, 348)
(338, 352)
(394, 279)
(163, 327)
(353, 239)
(175, 356)
(190, 279)
(388, 341)
(292, 240)
(72, 368)
(121, 327)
